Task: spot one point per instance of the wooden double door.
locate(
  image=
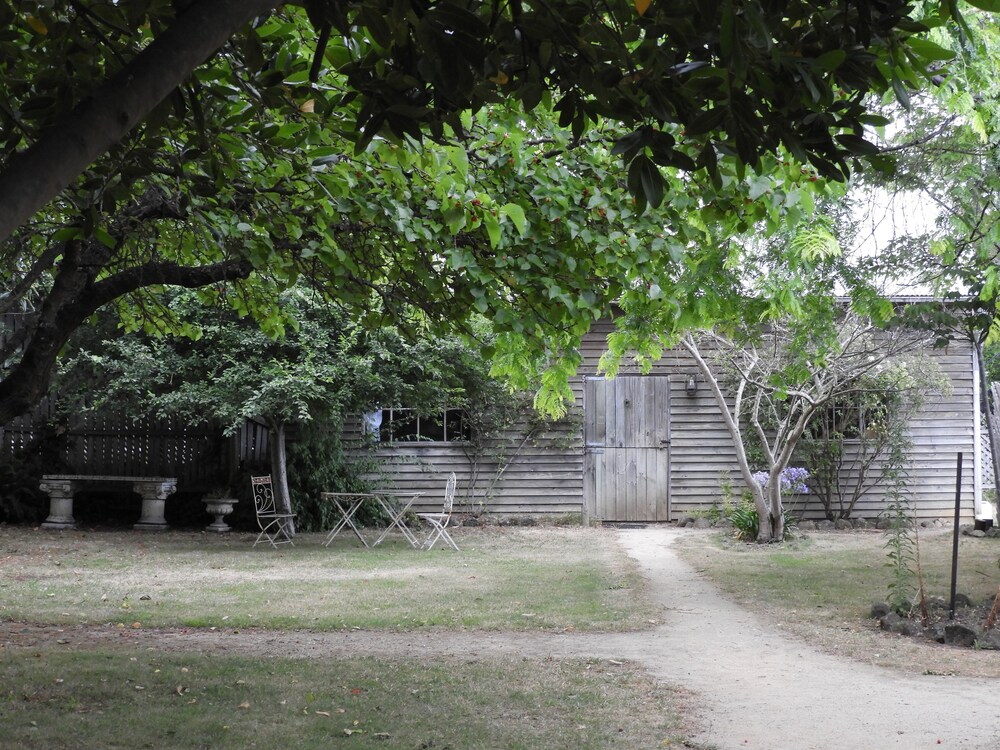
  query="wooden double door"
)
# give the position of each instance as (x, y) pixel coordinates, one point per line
(627, 448)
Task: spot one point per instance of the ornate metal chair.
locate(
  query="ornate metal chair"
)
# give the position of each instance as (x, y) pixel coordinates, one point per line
(439, 521)
(274, 526)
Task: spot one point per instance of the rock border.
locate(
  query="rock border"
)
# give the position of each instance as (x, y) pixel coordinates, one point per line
(966, 630)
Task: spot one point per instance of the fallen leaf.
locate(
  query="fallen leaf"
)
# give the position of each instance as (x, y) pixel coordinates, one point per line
(244, 704)
(180, 690)
(39, 26)
(322, 713)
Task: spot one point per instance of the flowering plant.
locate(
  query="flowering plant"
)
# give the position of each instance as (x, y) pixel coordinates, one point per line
(793, 480)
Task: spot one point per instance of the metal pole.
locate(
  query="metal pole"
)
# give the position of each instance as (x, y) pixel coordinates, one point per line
(954, 545)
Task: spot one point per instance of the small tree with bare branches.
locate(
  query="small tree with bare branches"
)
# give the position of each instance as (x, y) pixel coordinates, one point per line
(779, 381)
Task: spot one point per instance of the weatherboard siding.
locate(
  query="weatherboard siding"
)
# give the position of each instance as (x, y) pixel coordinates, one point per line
(546, 477)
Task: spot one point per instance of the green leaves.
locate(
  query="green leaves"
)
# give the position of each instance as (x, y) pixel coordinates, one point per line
(993, 6)
(931, 51)
(717, 120)
(516, 214)
(645, 182)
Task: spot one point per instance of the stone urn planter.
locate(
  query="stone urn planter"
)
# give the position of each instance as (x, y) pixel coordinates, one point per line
(219, 507)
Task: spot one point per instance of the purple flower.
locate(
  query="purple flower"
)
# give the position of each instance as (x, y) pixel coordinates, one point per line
(793, 480)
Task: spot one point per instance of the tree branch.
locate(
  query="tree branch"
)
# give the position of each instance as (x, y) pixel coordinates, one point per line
(33, 178)
(73, 299)
(169, 274)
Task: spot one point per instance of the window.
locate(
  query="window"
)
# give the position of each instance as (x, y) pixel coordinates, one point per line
(853, 416)
(408, 426)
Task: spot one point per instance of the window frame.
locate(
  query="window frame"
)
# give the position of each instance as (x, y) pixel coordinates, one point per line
(444, 425)
(852, 402)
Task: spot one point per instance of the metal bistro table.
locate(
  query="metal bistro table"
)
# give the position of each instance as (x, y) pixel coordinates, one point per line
(396, 505)
(347, 504)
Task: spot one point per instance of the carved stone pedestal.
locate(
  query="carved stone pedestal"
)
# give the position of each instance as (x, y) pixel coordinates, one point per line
(61, 487)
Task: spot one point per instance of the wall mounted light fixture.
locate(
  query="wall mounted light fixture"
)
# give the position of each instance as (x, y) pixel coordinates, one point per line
(691, 386)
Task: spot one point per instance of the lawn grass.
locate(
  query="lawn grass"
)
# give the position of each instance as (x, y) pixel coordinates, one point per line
(841, 574)
(57, 695)
(111, 699)
(511, 579)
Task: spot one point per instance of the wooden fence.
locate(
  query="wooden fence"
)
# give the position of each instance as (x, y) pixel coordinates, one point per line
(113, 443)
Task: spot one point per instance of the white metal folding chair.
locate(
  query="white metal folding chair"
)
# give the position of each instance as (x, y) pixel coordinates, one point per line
(273, 525)
(439, 521)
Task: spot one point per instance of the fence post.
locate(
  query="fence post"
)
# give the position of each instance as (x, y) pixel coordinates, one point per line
(954, 545)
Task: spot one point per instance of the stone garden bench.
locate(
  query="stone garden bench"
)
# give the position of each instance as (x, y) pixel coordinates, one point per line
(61, 487)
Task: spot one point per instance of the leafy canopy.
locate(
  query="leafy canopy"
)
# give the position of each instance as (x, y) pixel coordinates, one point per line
(294, 151)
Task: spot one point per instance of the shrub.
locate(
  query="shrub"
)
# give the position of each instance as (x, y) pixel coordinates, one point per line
(746, 521)
(20, 499)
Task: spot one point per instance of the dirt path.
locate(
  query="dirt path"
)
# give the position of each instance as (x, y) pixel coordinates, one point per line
(756, 687)
(762, 689)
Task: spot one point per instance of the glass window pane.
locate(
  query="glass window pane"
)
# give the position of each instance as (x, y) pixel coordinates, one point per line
(399, 425)
(455, 425)
(432, 428)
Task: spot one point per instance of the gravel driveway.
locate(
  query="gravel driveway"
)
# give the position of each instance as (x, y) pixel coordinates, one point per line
(761, 689)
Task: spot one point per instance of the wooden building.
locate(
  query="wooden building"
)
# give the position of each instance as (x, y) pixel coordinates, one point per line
(653, 447)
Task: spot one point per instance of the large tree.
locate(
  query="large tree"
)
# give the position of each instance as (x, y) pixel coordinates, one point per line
(324, 369)
(210, 141)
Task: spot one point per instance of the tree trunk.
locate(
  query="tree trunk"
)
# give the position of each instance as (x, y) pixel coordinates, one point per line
(104, 116)
(279, 472)
(776, 511)
(760, 502)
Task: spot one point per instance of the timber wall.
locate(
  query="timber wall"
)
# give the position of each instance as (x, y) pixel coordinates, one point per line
(703, 456)
(117, 444)
(546, 476)
(523, 472)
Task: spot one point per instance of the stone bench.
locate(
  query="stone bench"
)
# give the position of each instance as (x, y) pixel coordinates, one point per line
(61, 487)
